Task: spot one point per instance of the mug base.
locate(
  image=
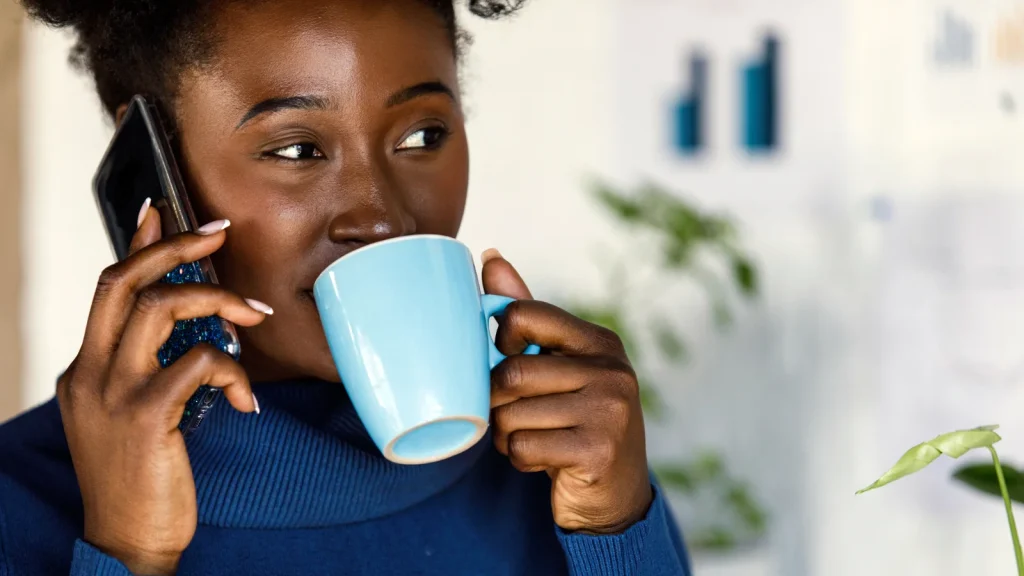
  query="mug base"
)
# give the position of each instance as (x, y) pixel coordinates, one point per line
(436, 440)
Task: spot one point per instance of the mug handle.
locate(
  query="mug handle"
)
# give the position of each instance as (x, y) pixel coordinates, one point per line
(495, 305)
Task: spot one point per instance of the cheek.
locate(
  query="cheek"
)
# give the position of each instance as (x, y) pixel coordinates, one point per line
(437, 190)
(268, 229)
(262, 253)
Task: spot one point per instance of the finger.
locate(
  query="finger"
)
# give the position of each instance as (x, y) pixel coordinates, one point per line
(501, 278)
(536, 450)
(541, 413)
(160, 305)
(528, 322)
(148, 231)
(523, 376)
(167, 393)
(115, 291)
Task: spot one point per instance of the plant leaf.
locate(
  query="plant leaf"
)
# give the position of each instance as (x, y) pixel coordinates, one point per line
(745, 275)
(677, 477)
(982, 477)
(716, 538)
(956, 444)
(709, 466)
(739, 497)
(650, 401)
(669, 343)
(721, 313)
(952, 444)
(624, 208)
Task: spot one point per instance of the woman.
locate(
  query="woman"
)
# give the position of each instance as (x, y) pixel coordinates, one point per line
(311, 128)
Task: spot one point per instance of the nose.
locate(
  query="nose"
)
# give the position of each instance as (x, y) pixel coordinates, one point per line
(374, 210)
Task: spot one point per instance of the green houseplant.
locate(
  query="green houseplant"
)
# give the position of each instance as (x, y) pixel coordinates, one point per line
(990, 479)
(683, 244)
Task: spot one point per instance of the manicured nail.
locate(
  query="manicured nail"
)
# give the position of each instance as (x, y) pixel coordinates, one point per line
(489, 254)
(259, 306)
(143, 212)
(256, 403)
(213, 227)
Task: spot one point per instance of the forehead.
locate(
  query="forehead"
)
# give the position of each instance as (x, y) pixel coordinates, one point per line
(348, 50)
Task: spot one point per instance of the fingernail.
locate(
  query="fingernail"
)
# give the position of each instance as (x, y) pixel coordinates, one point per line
(259, 306)
(213, 227)
(256, 403)
(489, 254)
(143, 212)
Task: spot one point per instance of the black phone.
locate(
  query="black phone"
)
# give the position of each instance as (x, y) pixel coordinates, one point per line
(139, 164)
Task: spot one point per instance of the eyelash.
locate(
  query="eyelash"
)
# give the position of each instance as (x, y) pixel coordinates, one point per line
(306, 151)
(440, 133)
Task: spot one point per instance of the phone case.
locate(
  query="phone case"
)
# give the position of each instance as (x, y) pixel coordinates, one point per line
(185, 336)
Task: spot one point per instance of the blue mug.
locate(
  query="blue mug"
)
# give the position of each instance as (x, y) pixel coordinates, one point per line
(408, 330)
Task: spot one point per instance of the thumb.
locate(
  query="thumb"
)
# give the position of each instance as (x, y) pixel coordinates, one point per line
(501, 278)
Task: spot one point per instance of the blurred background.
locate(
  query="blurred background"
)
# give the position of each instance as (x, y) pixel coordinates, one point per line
(805, 216)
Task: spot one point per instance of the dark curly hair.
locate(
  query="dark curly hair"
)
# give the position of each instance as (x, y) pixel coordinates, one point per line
(141, 46)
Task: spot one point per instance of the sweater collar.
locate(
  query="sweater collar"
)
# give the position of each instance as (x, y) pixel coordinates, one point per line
(305, 461)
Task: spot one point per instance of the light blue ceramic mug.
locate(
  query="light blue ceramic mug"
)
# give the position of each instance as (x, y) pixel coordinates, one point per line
(408, 330)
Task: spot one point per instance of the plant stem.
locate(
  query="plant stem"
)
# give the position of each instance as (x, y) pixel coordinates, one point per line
(1009, 511)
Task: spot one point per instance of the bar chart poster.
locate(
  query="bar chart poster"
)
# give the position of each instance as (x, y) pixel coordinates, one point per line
(731, 100)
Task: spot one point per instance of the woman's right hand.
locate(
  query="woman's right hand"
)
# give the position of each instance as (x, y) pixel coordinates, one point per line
(121, 410)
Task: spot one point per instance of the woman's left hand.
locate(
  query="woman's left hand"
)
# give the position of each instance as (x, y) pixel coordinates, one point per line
(573, 412)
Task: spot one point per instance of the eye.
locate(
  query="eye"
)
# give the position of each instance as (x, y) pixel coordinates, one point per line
(424, 139)
(299, 151)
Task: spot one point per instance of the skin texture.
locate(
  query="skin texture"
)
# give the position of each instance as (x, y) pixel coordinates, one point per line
(372, 168)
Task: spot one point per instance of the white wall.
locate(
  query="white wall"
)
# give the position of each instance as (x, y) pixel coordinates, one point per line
(64, 136)
(929, 347)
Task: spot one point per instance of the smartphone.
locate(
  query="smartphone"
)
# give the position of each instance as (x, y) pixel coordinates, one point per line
(139, 164)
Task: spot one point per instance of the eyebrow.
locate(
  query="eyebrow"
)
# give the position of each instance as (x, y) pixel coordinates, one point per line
(422, 89)
(269, 105)
(311, 102)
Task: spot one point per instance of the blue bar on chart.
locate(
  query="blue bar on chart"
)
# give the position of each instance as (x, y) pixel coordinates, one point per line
(691, 109)
(760, 97)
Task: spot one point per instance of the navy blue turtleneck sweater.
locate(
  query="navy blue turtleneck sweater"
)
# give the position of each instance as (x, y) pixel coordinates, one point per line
(300, 489)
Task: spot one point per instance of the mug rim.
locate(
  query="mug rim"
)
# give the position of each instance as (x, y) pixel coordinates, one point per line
(394, 240)
(481, 430)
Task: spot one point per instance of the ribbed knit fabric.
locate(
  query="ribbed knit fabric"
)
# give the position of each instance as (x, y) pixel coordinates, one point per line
(271, 455)
(89, 560)
(301, 489)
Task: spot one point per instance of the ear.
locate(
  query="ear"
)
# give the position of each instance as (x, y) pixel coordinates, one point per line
(119, 114)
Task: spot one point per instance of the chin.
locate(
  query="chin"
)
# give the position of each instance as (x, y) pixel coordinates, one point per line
(329, 373)
(316, 363)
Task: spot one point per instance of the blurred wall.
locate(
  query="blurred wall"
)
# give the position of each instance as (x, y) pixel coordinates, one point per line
(63, 137)
(10, 207)
(927, 287)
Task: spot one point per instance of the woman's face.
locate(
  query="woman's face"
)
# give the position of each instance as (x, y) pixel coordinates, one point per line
(319, 127)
